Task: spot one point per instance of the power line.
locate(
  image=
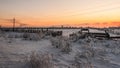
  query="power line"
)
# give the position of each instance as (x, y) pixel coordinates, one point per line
(14, 21)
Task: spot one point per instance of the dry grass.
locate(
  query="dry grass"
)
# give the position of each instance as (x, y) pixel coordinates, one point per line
(40, 60)
(82, 60)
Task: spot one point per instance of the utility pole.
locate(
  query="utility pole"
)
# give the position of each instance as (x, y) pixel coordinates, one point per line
(13, 24)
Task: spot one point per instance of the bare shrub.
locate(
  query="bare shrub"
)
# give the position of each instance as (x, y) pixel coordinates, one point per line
(100, 52)
(32, 36)
(82, 65)
(82, 61)
(115, 51)
(40, 60)
(56, 42)
(73, 37)
(26, 36)
(66, 47)
(61, 43)
(92, 51)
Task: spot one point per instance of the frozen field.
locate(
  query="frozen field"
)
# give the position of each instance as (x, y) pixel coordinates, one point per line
(15, 51)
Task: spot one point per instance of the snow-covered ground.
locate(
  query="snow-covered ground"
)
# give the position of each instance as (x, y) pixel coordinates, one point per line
(115, 31)
(84, 53)
(96, 31)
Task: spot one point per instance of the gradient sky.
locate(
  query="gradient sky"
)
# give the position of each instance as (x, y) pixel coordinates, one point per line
(98, 13)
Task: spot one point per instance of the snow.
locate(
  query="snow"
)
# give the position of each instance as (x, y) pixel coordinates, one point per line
(113, 35)
(85, 53)
(96, 31)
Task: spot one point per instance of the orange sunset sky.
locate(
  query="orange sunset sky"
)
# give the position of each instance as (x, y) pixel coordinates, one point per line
(80, 13)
